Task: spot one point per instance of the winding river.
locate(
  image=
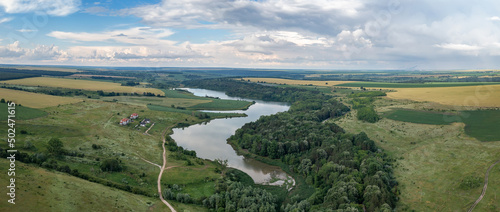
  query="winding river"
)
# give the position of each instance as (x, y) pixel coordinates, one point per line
(209, 139)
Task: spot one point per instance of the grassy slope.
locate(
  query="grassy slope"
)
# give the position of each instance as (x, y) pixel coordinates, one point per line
(42, 190)
(22, 113)
(433, 160)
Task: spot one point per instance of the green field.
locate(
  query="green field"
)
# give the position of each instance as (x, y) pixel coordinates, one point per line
(480, 124)
(22, 113)
(421, 117)
(414, 85)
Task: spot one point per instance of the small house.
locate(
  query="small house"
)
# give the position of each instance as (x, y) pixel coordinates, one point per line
(124, 121)
(134, 116)
(144, 122)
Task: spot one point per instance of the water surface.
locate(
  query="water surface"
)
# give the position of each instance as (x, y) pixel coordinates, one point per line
(209, 140)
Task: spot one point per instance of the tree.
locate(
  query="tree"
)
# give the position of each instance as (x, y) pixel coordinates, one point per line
(2, 100)
(55, 147)
(111, 165)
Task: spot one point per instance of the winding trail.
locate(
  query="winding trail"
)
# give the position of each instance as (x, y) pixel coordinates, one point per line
(484, 188)
(147, 161)
(161, 172)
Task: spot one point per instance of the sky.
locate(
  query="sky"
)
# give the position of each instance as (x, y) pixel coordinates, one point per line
(294, 34)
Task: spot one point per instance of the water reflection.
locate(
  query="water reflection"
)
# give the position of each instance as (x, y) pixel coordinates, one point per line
(209, 140)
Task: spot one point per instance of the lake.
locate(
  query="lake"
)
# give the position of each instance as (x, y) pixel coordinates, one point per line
(209, 140)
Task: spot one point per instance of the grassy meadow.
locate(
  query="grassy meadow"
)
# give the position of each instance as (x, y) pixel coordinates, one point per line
(81, 84)
(22, 112)
(80, 126)
(35, 100)
(38, 189)
(432, 160)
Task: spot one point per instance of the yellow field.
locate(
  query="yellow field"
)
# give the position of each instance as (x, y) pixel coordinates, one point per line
(81, 84)
(470, 96)
(297, 82)
(92, 75)
(35, 100)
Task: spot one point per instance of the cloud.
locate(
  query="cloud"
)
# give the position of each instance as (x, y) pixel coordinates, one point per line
(5, 20)
(494, 18)
(322, 16)
(51, 7)
(137, 36)
(459, 47)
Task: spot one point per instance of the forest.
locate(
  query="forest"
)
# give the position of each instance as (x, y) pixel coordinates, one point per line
(348, 172)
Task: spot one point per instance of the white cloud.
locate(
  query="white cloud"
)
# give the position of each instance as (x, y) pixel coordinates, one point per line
(51, 7)
(494, 18)
(26, 30)
(137, 36)
(5, 20)
(459, 47)
(293, 33)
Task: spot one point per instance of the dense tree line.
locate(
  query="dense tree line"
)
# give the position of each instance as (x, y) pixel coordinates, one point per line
(234, 196)
(256, 91)
(349, 172)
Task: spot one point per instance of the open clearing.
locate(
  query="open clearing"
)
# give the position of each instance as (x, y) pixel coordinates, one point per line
(432, 161)
(35, 100)
(297, 82)
(469, 96)
(81, 84)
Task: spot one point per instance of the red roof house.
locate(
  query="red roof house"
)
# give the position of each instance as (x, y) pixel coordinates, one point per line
(124, 121)
(134, 116)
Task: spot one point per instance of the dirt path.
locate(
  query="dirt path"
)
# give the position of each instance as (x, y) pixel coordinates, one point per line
(146, 133)
(147, 161)
(484, 188)
(161, 172)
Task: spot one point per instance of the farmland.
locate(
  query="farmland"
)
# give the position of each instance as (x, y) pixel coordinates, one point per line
(480, 124)
(413, 85)
(421, 117)
(470, 96)
(35, 100)
(81, 84)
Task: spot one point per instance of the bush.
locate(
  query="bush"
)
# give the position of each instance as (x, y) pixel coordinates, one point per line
(470, 182)
(368, 114)
(111, 165)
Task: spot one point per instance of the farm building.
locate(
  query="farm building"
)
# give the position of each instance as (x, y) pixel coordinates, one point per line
(134, 116)
(124, 121)
(144, 122)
